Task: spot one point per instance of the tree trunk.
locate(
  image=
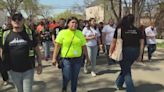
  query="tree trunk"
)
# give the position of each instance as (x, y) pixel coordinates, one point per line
(114, 11)
(120, 9)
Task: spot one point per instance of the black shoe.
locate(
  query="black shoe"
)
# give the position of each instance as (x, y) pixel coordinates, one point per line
(121, 88)
(64, 90)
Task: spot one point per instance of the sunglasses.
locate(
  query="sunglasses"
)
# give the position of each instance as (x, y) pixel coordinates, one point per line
(17, 18)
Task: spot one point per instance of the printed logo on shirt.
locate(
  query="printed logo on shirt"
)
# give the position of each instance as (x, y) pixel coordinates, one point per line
(131, 32)
(17, 42)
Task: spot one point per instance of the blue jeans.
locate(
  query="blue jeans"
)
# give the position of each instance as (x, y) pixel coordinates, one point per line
(46, 46)
(70, 70)
(23, 81)
(129, 56)
(151, 49)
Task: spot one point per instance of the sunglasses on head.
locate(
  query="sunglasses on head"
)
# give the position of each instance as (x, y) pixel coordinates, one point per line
(17, 18)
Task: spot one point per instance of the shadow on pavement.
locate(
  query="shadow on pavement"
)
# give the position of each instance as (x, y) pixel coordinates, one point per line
(107, 71)
(45, 66)
(103, 90)
(101, 60)
(149, 87)
(6, 89)
(145, 67)
(41, 86)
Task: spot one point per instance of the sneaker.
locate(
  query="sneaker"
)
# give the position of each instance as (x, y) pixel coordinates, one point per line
(64, 90)
(93, 74)
(85, 70)
(5, 83)
(120, 88)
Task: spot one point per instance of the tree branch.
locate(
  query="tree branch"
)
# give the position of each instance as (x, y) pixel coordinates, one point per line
(114, 11)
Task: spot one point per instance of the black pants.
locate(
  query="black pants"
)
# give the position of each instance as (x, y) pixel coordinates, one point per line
(151, 50)
(110, 61)
(3, 72)
(5, 76)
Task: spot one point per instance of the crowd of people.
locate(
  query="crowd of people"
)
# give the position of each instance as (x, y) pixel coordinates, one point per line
(76, 43)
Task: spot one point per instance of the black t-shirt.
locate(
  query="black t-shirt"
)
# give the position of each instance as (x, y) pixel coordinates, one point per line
(17, 46)
(130, 37)
(56, 31)
(46, 35)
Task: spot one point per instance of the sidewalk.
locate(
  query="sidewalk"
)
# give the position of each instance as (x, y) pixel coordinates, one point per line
(148, 77)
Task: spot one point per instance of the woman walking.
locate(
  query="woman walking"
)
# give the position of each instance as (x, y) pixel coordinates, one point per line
(132, 49)
(92, 36)
(72, 43)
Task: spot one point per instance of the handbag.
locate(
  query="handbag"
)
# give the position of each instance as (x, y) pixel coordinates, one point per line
(117, 53)
(60, 59)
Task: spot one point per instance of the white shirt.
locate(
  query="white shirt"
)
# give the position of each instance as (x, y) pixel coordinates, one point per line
(109, 33)
(88, 32)
(150, 32)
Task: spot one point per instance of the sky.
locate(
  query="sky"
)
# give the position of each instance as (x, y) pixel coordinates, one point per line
(61, 5)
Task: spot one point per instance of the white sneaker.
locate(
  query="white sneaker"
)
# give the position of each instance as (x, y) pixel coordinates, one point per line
(5, 83)
(85, 70)
(93, 74)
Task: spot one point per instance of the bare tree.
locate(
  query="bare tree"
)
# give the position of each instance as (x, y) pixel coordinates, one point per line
(78, 8)
(88, 2)
(11, 6)
(159, 19)
(117, 15)
(137, 8)
(44, 10)
(127, 7)
(31, 7)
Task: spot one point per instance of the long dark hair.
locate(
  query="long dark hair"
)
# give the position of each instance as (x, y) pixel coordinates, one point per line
(95, 27)
(126, 22)
(130, 21)
(72, 18)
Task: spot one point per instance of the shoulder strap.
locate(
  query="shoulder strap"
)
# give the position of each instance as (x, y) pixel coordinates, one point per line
(70, 45)
(5, 34)
(119, 33)
(29, 32)
(1, 32)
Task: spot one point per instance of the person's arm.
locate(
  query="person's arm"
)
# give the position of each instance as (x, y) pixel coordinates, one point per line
(38, 55)
(55, 53)
(53, 38)
(84, 48)
(103, 38)
(141, 50)
(112, 46)
(89, 37)
(98, 37)
(148, 34)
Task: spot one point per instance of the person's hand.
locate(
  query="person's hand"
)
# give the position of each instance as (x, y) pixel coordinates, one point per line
(54, 63)
(88, 61)
(39, 69)
(110, 54)
(139, 59)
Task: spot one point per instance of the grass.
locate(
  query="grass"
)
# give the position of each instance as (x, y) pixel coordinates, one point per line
(160, 45)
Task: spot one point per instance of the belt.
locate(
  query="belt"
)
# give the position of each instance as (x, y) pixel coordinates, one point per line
(73, 58)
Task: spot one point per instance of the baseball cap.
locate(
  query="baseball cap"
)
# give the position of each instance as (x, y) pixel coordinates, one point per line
(17, 16)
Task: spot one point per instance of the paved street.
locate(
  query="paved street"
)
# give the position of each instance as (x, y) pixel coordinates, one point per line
(148, 77)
